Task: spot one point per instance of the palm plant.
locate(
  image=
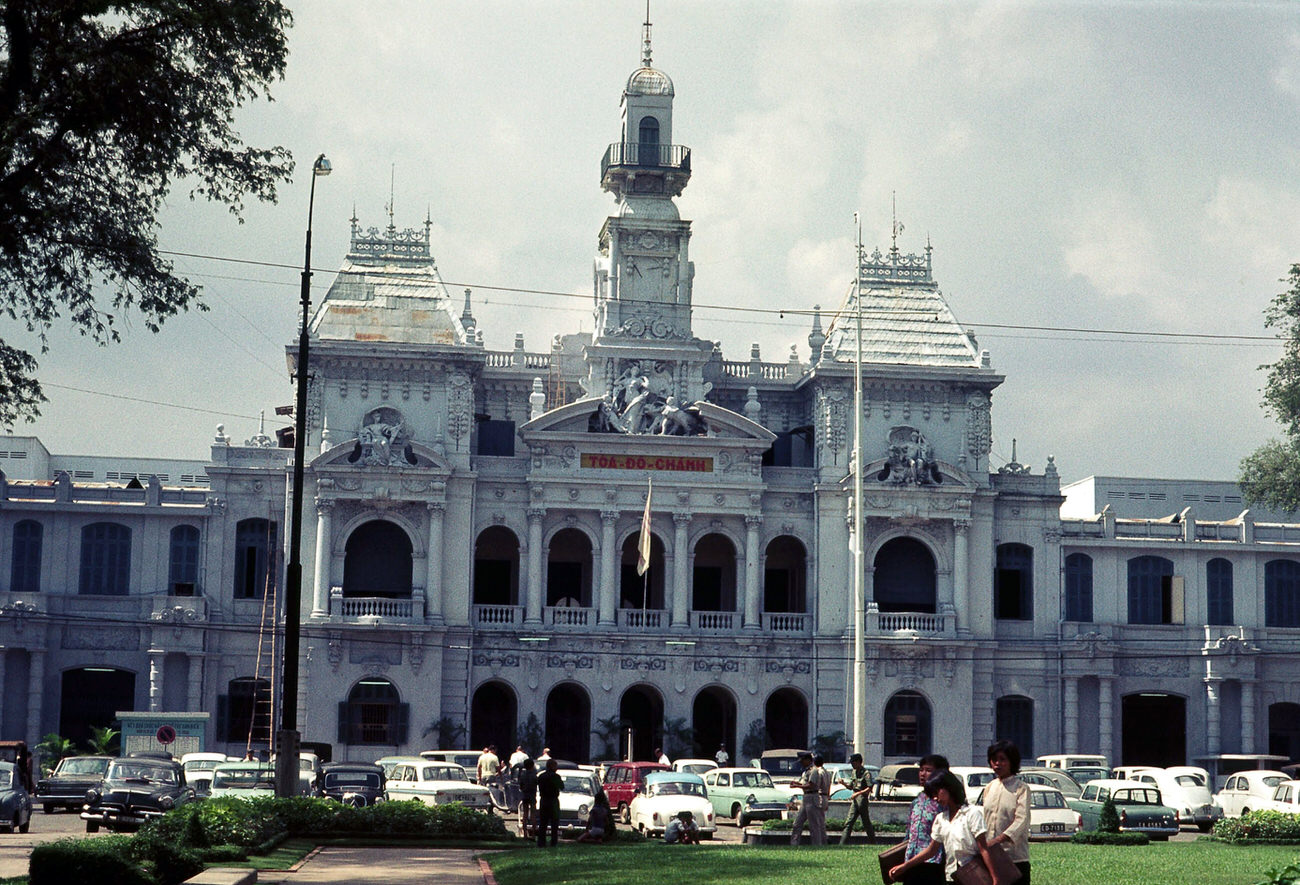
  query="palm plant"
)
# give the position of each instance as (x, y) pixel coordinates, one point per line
(103, 740)
(52, 748)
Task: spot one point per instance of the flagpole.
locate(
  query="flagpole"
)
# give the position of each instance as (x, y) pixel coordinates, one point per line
(859, 595)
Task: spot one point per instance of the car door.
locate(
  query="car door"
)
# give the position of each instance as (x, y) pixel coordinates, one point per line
(400, 782)
(1229, 797)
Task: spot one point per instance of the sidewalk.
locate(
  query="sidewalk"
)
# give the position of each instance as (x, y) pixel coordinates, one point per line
(383, 866)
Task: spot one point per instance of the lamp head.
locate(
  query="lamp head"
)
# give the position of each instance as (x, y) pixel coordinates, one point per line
(321, 166)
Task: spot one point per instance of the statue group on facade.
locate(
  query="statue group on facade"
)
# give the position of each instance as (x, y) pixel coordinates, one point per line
(639, 403)
(911, 459)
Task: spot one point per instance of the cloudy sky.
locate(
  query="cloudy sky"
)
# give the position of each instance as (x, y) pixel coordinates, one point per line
(1118, 167)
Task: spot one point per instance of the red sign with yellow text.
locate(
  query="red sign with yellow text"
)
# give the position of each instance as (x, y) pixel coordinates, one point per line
(591, 460)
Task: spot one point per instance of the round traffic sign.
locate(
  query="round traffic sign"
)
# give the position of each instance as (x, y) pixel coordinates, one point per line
(166, 734)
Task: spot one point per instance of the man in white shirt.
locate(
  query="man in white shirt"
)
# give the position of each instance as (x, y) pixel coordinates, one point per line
(518, 756)
(488, 765)
(722, 757)
(663, 757)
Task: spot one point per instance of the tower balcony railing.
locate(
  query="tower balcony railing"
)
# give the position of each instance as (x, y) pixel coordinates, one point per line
(377, 608)
(631, 153)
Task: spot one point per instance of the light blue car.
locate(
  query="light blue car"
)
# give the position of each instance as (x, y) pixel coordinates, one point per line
(745, 794)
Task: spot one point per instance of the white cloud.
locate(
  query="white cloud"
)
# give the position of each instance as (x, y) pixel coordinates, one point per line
(1111, 242)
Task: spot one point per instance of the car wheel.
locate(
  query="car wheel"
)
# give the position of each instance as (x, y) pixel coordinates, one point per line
(24, 827)
(92, 826)
(1205, 828)
(49, 807)
(624, 813)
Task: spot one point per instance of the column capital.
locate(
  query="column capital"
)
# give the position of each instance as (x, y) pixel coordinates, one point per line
(961, 525)
(610, 516)
(536, 514)
(325, 505)
(436, 507)
(754, 521)
(681, 520)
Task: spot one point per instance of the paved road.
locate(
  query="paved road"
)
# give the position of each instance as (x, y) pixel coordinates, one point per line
(16, 848)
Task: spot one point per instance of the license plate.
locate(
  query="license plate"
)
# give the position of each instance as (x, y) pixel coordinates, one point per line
(1053, 828)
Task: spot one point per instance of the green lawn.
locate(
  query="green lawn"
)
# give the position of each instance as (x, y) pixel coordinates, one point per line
(1179, 863)
(283, 856)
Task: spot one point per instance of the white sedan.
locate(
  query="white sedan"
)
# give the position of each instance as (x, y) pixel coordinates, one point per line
(576, 797)
(434, 783)
(1248, 791)
(665, 795)
(1049, 816)
(1286, 798)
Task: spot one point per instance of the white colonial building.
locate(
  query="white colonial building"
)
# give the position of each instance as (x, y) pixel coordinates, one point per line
(471, 550)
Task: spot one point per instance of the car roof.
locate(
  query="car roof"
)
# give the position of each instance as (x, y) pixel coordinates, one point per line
(676, 777)
(734, 768)
(363, 766)
(413, 760)
(1042, 788)
(773, 754)
(1115, 783)
(653, 766)
(245, 766)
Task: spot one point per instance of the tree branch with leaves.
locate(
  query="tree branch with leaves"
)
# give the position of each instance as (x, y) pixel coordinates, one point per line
(1270, 476)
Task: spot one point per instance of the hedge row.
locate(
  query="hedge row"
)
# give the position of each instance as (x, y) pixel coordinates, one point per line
(1096, 837)
(176, 846)
(836, 825)
(1257, 826)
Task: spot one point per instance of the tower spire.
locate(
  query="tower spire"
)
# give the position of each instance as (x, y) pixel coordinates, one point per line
(645, 47)
(392, 180)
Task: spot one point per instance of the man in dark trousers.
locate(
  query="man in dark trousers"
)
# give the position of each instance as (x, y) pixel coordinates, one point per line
(860, 800)
(527, 775)
(549, 785)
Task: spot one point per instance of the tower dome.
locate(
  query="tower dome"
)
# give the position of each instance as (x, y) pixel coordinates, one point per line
(648, 81)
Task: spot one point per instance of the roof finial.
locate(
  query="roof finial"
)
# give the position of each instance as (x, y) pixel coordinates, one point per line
(392, 178)
(645, 49)
(898, 228)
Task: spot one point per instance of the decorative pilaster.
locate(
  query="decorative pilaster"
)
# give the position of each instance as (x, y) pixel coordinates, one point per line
(1213, 717)
(1106, 715)
(961, 576)
(35, 694)
(1248, 716)
(320, 606)
(433, 576)
(1071, 714)
(608, 567)
(681, 571)
(194, 690)
(753, 590)
(533, 591)
(155, 679)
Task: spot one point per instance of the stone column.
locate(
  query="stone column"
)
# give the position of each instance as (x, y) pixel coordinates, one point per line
(433, 564)
(753, 587)
(1248, 716)
(324, 545)
(1213, 726)
(961, 576)
(681, 571)
(1106, 715)
(35, 694)
(4, 653)
(533, 591)
(156, 656)
(609, 570)
(1071, 714)
(194, 692)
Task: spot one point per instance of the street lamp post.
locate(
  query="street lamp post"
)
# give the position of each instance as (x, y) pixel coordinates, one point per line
(286, 768)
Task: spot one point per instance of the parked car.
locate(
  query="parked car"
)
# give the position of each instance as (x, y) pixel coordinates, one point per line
(622, 782)
(198, 771)
(694, 766)
(1083, 774)
(1050, 816)
(1286, 798)
(973, 777)
(1052, 777)
(782, 765)
(1201, 776)
(1248, 790)
(744, 795)
(135, 789)
(576, 797)
(434, 783)
(66, 786)
(352, 783)
(466, 759)
(1066, 761)
(1139, 806)
(1186, 793)
(244, 780)
(15, 802)
(665, 795)
(899, 783)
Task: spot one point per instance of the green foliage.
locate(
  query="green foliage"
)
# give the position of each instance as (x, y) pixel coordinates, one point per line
(105, 860)
(830, 746)
(836, 825)
(531, 736)
(607, 732)
(169, 863)
(1287, 875)
(1100, 837)
(103, 740)
(450, 732)
(679, 738)
(1259, 825)
(102, 108)
(219, 854)
(756, 740)
(52, 747)
(1270, 476)
(1108, 820)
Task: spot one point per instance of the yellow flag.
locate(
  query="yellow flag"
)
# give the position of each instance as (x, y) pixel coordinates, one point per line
(643, 544)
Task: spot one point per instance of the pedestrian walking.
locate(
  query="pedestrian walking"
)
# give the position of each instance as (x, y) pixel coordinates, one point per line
(1006, 806)
(549, 786)
(859, 800)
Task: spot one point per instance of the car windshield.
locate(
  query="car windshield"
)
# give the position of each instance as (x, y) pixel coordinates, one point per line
(1083, 775)
(578, 783)
(6, 779)
(352, 779)
(82, 766)
(752, 780)
(1187, 780)
(132, 769)
(201, 765)
(244, 779)
(978, 779)
(445, 773)
(1137, 797)
(1272, 780)
(1046, 799)
(676, 788)
(909, 776)
(698, 767)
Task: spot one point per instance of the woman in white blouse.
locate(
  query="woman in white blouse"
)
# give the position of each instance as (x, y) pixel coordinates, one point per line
(959, 830)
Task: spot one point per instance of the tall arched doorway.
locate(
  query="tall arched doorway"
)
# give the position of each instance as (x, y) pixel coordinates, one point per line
(641, 591)
(786, 714)
(493, 713)
(91, 697)
(904, 577)
(1154, 729)
(641, 709)
(1284, 730)
(377, 561)
(784, 575)
(568, 722)
(496, 567)
(713, 584)
(713, 716)
(568, 569)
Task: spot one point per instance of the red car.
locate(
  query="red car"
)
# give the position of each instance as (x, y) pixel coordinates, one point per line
(623, 780)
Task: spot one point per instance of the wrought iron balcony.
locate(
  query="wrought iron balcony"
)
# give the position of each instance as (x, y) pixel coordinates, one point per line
(673, 157)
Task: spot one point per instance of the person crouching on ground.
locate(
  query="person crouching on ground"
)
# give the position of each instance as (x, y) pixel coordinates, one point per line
(958, 832)
(682, 830)
(598, 820)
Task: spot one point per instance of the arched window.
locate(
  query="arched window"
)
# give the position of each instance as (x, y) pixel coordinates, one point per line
(496, 567)
(254, 546)
(1013, 583)
(904, 577)
(1151, 593)
(377, 561)
(244, 712)
(1015, 723)
(1282, 593)
(907, 725)
(372, 714)
(183, 572)
(713, 585)
(105, 559)
(648, 149)
(25, 570)
(568, 569)
(1078, 587)
(784, 576)
(1218, 592)
(786, 718)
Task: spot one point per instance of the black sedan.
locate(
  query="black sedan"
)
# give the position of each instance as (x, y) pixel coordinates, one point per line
(352, 783)
(67, 785)
(134, 790)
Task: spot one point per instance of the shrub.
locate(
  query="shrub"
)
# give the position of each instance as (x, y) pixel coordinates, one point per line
(219, 854)
(1100, 838)
(1288, 875)
(1108, 821)
(1259, 825)
(104, 861)
(170, 863)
